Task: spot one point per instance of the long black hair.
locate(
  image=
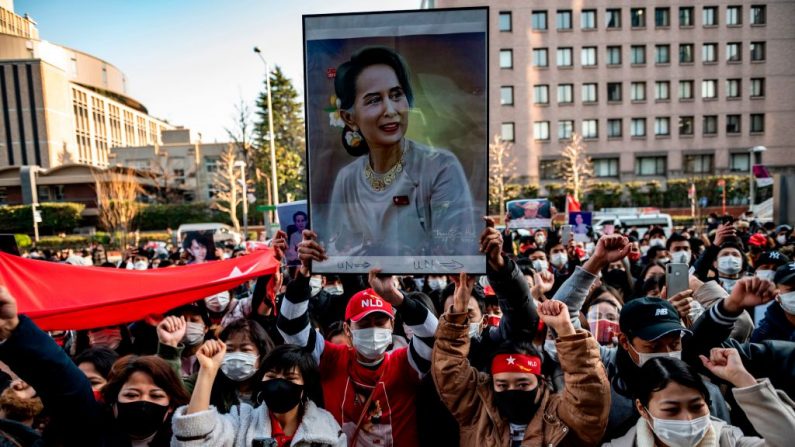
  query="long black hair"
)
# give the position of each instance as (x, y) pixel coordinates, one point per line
(658, 372)
(284, 359)
(348, 72)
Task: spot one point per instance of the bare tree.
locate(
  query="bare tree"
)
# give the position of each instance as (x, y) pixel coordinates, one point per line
(502, 171)
(117, 193)
(225, 184)
(575, 166)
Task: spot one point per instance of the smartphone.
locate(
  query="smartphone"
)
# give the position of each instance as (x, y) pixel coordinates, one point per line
(8, 244)
(264, 442)
(676, 278)
(565, 234)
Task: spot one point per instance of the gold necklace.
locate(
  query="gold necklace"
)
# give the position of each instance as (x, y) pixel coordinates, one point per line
(380, 182)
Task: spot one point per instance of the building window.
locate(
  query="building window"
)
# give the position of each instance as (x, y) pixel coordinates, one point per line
(540, 94)
(686, 53)
(757, 87)
(686, 125)
(211, 164)
(662, 54)
(662, 17)
(43, 193)
(565, 129)
(698, 163)
(540, 57)
(605, 167)
(506, 58)
(588, 56)
(564, 57)
(506, 21)
(710, 125)
(740, 162)
(734, 15)
(563, 20)
(549, 169)
(758, 15)
(637, 91)
(709, 89)
(588, 19)
(733, 88)
(613, 19)
(541, 130)
(506, 95)
(709, 52)
(734, 52)
(662, 126)
(82, 126)
(757, 51)
(3, 194)
(709, 16)
(539, 20)
(686, 16)
(638, 16)
(662, 90)
(589, 93)
(507, 131)
(614, 92)
(115, 125)
(565, 93)
(614, 128)
(650, 165)
(614, 55)
(685, 89)
(637, 127)
(590, 129)
(757, 122)
(638, 54)
(733, 124)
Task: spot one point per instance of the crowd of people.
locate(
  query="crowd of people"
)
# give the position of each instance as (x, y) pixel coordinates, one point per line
(561, 343)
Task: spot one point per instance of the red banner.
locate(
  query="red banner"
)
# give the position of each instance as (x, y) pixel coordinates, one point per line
(573, 204)
(62, 296)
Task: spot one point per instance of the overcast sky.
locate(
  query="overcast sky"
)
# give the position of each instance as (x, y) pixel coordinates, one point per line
(190, 61)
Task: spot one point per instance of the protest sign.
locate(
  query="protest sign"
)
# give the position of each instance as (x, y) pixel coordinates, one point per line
(293, 219)
(581, 222)
(530, 213)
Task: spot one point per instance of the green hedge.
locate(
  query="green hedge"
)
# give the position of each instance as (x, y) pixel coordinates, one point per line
(56, 217)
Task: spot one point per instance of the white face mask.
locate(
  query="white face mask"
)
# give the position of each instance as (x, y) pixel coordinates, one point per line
(681, 257)
(333, 290)
(644, 249)
(729, 265)
(130, 266)
(781, 239)
(194, 333)
(680, 433)
(419, 282)
(141, 265)
(664, 260)
(474, 330)
(371, 343)
(657, 242)
(787, 301)
(540, 265)
(644, 357)
(766, 274)
(217, 302)
(559, 259)
(316, 284)
(437, 283)
(239, 366)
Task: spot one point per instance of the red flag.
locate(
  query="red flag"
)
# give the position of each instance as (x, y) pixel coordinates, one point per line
(573, 204)
(62, 296)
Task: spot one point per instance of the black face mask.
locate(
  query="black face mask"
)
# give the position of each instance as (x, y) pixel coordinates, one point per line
(140, 419)
(517, 406)
(616, 278)
(279, 395)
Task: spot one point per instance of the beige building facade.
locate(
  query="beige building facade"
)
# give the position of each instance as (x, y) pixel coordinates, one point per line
(61, 106)
(658, 89)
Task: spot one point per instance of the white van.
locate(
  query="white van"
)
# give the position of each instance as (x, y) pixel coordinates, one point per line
(221, 232)
(641, 222)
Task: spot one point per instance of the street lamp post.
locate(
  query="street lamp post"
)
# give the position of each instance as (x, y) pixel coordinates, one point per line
(242, 165)
(275, 185)
(751, 156)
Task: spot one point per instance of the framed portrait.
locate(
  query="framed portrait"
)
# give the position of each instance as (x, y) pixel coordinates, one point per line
(397, 139)
(529, 213)
(581, 224)
(293, 220)
(200, 245)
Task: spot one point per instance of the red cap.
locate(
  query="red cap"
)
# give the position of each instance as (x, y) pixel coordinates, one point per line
(758, 239)
(516, 363)
(366, 302)
(489, 291)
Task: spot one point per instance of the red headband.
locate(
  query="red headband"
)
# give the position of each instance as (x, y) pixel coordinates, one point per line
(516, 363)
